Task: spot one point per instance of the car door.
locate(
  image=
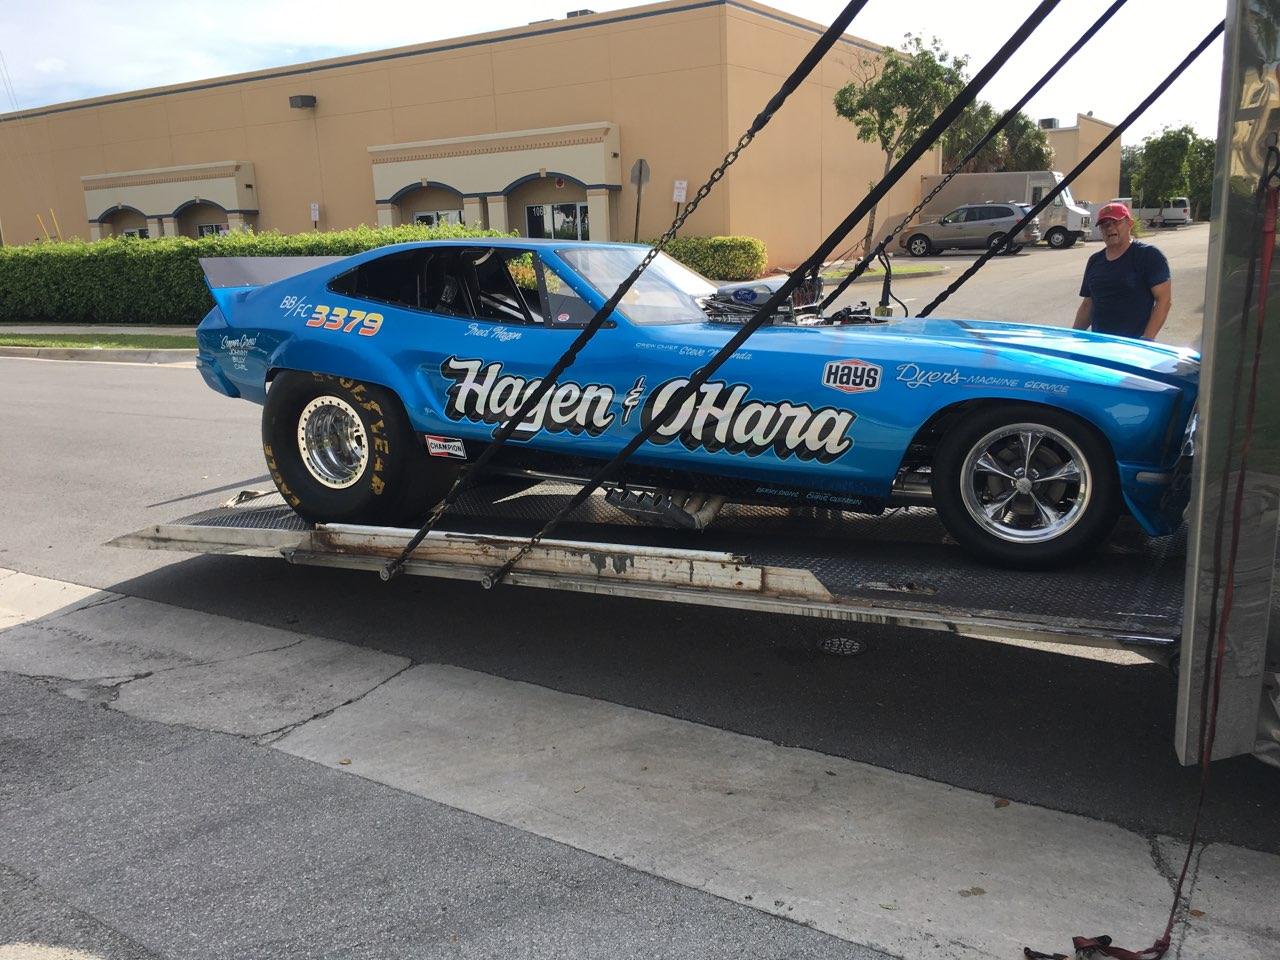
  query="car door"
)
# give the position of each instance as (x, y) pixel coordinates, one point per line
(952, 230)
(1001, 219)
(975, 230)
(476, 327)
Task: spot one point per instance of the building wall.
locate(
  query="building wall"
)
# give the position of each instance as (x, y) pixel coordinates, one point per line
(679, 81)
(1100, 182)
(802, 175)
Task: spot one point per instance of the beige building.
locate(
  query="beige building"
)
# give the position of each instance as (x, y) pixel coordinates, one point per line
(1101, 181)
(532, 129)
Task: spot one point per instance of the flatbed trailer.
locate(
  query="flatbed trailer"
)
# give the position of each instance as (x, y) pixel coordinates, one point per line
(1164, 597)
(898, 570)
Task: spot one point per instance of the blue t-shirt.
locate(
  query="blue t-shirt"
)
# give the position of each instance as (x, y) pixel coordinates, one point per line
(1121, 288)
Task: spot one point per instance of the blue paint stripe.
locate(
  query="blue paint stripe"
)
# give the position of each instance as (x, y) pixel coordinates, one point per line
(443, 48)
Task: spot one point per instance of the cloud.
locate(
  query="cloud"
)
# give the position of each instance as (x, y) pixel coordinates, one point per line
(50, 65)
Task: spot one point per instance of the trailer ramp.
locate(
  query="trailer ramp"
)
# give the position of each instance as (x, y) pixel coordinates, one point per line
(899, 569)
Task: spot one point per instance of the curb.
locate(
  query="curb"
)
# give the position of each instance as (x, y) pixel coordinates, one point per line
(101, 354)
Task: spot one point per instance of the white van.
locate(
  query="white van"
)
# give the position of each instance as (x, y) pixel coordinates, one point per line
(1174, 212)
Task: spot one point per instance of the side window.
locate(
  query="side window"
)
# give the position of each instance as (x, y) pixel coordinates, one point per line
(564, 307)
(1037, 194)
(958, 215)
(474, 283)
(395, 279)
(495, 285)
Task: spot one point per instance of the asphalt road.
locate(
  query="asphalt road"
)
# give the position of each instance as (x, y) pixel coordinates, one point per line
(1040, 285)
(312, 862)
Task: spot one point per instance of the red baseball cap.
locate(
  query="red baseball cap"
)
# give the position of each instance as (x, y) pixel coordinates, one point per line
(1113, 211)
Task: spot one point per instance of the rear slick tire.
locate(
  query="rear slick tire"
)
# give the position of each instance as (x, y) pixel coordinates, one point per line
(1026, 486)
(343, 451)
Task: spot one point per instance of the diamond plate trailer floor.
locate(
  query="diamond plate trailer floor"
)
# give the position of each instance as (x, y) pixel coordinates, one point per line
(897, 569)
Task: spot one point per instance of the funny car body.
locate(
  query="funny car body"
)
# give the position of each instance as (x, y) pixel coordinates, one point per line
(384, 373)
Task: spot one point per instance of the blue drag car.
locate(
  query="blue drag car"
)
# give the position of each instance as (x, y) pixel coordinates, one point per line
(383, 373)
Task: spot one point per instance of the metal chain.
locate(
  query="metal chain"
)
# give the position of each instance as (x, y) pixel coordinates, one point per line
(393, 567)
(789, 86)
(716, 176)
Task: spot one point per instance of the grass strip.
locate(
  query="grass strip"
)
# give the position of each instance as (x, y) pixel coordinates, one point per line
(873, 273)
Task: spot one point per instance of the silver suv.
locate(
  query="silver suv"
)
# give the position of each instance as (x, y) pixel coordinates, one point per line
(974, 225)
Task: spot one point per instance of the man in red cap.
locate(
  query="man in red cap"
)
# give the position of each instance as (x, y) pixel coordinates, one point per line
(1127, 288)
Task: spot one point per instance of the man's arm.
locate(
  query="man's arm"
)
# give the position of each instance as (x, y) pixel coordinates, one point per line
(1163, 292)
(1084, 314)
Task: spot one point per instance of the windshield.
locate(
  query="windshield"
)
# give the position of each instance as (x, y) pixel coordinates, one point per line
(667, 292)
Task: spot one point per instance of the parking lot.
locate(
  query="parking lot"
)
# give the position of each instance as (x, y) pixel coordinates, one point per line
(1041, 285)
(232, 756)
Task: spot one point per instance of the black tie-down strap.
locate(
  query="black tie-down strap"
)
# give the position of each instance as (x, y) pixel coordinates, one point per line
(998, 248)
(990, 135)
(868, 203)
(540, 387)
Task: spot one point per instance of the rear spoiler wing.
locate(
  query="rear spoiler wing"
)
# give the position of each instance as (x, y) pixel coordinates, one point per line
(231, 278)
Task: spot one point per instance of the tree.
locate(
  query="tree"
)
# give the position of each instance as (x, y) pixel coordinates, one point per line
(893, 98)
(1163, 171)
(970, 127)
(1021, 145)
(1200, 162)
(1026, 146)
(1130, 165)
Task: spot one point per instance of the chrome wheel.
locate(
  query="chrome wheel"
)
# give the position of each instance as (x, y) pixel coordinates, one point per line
(1026, 483)
(918, 247)
(332, 442)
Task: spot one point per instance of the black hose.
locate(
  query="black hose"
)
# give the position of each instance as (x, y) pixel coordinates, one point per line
(1110, 138)
(990, 135)
(814, 261)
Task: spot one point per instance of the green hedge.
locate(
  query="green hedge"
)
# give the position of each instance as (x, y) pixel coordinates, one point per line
(131, 281)
(159, 281)
(721, 258)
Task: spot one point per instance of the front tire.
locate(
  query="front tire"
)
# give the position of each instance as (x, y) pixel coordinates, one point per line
(1025, 486)
(343, 451)
(1059, 238)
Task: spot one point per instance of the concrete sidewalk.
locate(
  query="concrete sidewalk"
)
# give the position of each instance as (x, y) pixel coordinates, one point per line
(99, 354)
(892, 862)
(103, 354)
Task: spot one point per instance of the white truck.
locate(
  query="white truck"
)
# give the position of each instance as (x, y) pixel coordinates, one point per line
(1062, 223)
(1173, 212)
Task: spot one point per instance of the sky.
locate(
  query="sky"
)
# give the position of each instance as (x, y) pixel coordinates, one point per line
(59, 50)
